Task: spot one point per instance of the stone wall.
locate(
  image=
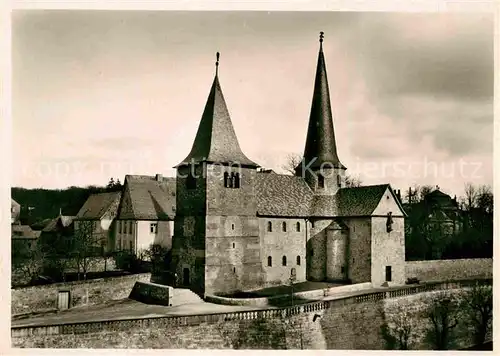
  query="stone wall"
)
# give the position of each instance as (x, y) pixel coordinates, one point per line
(359, 249)
(348, 323)
(33, 299)
(439, 270)
(278, 243)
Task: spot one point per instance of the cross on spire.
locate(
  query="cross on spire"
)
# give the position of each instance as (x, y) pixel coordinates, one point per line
(217, 55)
(321, 36)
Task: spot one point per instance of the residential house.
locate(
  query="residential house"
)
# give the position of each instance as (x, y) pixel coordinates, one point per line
(96, 219)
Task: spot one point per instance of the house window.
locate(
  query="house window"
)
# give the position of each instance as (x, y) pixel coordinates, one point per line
(234, 245)
(283, 226)
(269, 261)
(321, 181)
(269, 226)
(298, 260)
(190, 181)
(130, 245)
(283, 261)
(388, 273)
(153, 228)
(297, 226)
(125, 224)
(120, 226)
(130, 226)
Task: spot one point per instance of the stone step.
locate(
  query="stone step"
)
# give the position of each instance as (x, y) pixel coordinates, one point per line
(185, 296)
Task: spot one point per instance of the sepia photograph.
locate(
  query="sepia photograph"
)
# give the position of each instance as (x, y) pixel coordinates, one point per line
(252, 180)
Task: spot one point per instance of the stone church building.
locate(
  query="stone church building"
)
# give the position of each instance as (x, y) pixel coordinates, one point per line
(239, 228)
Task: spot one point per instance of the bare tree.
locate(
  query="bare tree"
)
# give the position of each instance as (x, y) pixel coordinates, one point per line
(443, 315)
(470, 199)
(399, 328)
(292, 160)
(477, 306)
(352, 181)
(424, 191)
(27, 261)
(87, 246)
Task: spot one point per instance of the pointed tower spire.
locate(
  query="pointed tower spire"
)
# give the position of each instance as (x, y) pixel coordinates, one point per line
(215, 140)
(320, 142)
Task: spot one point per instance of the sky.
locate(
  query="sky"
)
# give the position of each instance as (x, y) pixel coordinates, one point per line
(100, 94)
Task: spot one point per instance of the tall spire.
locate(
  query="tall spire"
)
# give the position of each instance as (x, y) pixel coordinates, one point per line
(215, 140)
(320, 142)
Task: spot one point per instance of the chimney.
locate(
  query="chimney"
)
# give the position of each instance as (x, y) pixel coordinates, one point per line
(159, 177)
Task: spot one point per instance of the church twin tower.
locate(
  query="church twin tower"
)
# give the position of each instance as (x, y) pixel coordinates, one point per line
(220, 234)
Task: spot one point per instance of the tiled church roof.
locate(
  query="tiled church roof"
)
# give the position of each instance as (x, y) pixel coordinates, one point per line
(216, 140)
(360, 201)
(320, 141)
(97, 205)
(148, 198)
(286, 195)
(282, 195)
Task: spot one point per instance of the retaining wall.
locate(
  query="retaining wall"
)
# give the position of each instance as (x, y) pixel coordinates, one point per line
(96, 291)
(439, 270)
(269, 301)
(348, 323)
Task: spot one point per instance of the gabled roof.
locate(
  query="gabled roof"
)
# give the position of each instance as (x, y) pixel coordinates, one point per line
(24, 232)
(97, 205)
(320, 142)
(362, 201)
(148, 198)
(282, 195)
(216, 140)
(62, 221)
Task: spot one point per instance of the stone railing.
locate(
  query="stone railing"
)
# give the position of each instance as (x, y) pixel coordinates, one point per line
(186, 320)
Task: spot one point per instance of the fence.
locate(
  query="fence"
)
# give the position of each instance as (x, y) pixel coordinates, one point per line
(166, 321)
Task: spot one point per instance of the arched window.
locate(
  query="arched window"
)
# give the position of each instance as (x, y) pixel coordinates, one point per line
(298, 226)
(321, 181)
(269, 226)
(298, 260)
(227, 180)
(190, 181)
(283, 260)
(339, 181)
(283, 226)
(269, 261)
(236, 180)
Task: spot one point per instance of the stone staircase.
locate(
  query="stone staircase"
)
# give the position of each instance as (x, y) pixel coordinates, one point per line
(185, 296)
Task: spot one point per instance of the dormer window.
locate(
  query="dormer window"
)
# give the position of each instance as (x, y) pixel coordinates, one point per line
(321, 181)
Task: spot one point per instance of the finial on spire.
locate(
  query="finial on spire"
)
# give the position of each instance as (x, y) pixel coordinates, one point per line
(321, 36)
(217, 63)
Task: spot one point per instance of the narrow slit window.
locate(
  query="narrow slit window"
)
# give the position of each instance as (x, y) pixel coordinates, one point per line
(298, 227)
(298, 260)
(321, 181)
(236, 180)
(269, 261)
(283, 226)
(283, 261)
(269, 226)
(227, 180)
